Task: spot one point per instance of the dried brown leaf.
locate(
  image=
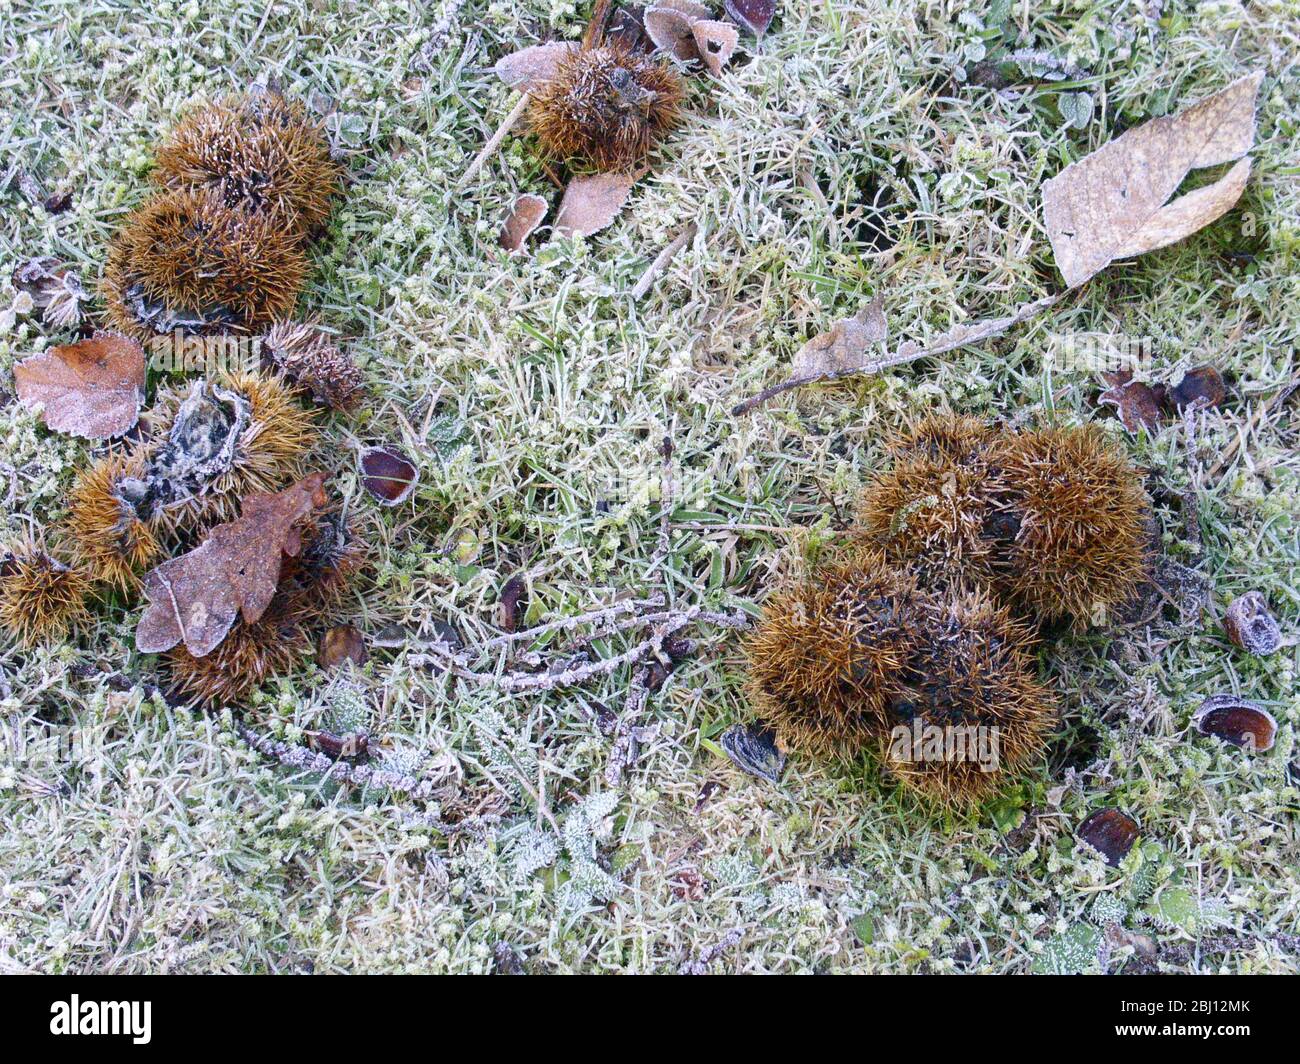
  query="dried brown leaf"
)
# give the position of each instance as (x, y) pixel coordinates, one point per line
(1112, 204)
(845, 345)
(530, 67)
(196, 598)
(592, 202)
(716, 42)
(525, 216)
(1201, 387)
(670, 29)
(1137, 403)
(92, 389)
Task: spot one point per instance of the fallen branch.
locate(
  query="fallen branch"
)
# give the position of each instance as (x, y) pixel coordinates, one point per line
(443, 656)
(958, 336)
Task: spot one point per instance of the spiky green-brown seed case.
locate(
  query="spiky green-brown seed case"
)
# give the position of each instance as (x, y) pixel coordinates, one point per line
(222, 440)
(820, 658)
(250, 654)
(606, 108)
(934, 510)
(971, 666)
(111, 536)
(259, 152)
(1078, 524)
(185, 261)
(41, 598)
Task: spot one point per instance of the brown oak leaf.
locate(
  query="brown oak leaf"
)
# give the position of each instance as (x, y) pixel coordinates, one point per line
(92, 388)
(196, 598)
(1113, 204)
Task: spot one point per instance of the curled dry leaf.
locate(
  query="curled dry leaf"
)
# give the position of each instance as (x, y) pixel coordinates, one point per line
(55, 289)
(753, 15)
(1112, 204)
(525, 216)
(1137, 403)
(1237, 721)
(670, 30)
(845, 345)
(592, 202)
(388, 475)
(513, 602)
(342, 644)
(530, 67)
(1251, 626)
(1109, 832)
(92, 389)
(194, 599)
(716, 43)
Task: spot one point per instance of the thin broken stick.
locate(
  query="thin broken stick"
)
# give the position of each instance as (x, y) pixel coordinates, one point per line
(958, 336)
(494, 142)
(663, 259)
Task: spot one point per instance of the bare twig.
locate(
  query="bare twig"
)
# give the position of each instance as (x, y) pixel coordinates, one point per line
(443, 656)
(495, 140)
(959, 336)
(663, 259)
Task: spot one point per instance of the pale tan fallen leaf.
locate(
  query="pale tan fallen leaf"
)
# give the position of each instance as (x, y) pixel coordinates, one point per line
(92, 389)
(958, 336)
(194, 599)
(525, 216)
(1112, 204)
(670, 29)
(592, 202)
(530, 67)
(844, 346)
(716, 42)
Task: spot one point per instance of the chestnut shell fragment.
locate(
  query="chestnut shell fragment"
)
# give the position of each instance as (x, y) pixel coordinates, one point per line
(1237, 721)
(1109, 832)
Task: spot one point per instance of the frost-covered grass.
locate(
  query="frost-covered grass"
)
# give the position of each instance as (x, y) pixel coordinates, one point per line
(850, 156)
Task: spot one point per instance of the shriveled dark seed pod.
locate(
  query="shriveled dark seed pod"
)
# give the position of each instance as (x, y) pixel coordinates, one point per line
(1251, 626)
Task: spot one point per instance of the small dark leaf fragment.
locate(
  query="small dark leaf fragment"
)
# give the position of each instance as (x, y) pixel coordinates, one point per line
(752, 15)
(388, 475)
(753, 749)
(1202, 386)
(1109, 832)
(1237, 721)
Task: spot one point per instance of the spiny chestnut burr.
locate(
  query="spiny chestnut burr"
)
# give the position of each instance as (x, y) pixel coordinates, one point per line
(258, 152)
(41, 598)
(221, 441)
(822, 655)
(969, 684)
(935, 510)
(1079, 524)
(606, 107)
(250, 654)
(309, 358)
(112, 537)
(185, 261)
